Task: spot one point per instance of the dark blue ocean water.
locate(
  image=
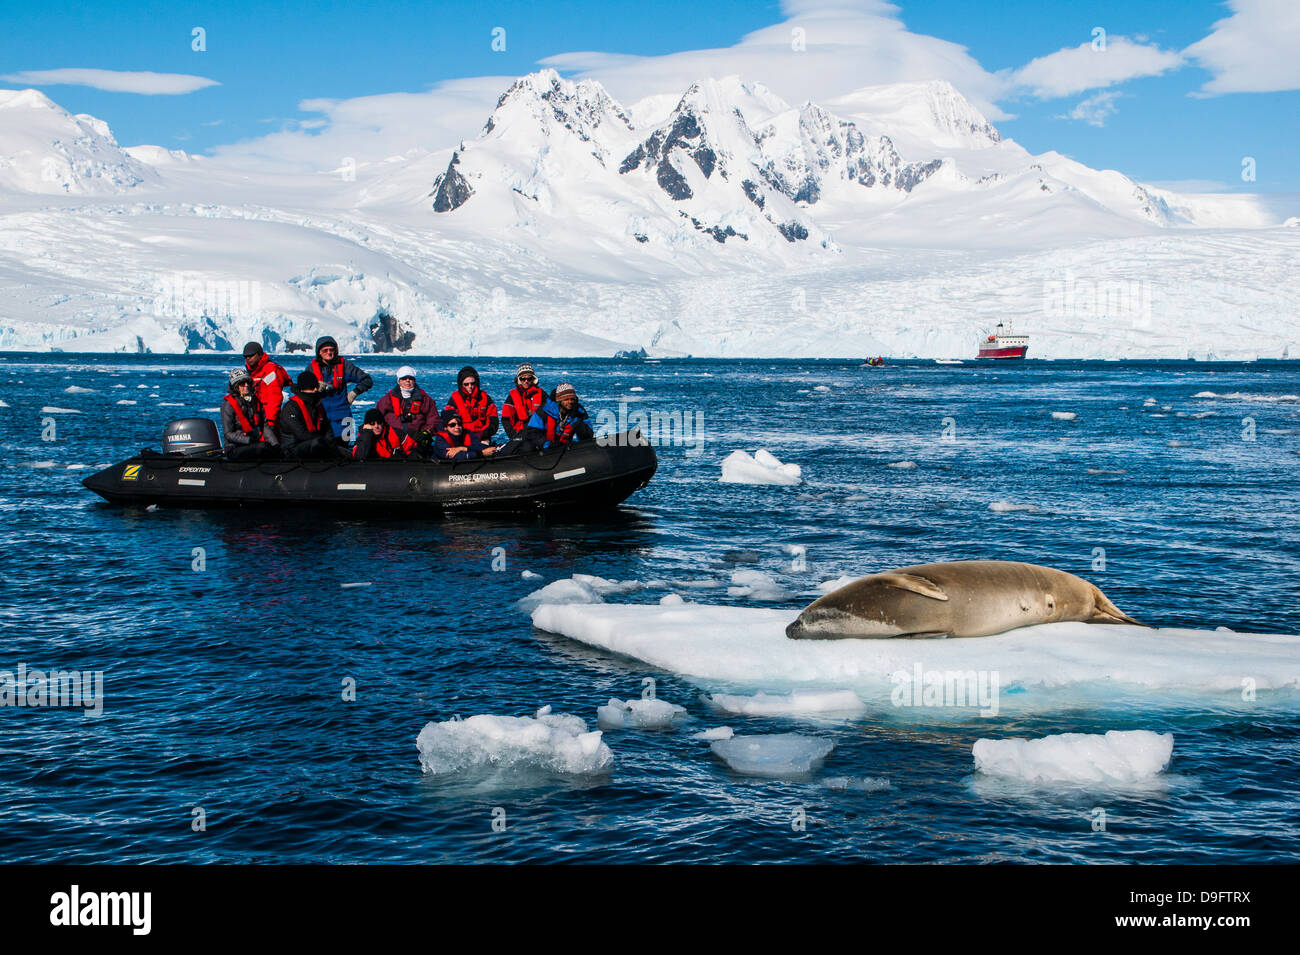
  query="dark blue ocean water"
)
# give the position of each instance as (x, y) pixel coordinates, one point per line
(223, 687)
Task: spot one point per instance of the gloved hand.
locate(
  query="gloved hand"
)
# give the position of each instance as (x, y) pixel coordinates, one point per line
(407, 418)
(425, 439)
(352, 396)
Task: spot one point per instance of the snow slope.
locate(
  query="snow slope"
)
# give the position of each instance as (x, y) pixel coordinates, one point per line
(894, 220)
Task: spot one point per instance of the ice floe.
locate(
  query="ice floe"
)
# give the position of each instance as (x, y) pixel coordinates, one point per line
(638, 714)
(1120, 756)
(51, 409)
(1064, 415)
(558, 743)
(762, 468)
(756, 585)
(902, 465)
(1007, 507)
(718, 732)
(780, 755)
(78, 390)
(742, 648)
(795, 703)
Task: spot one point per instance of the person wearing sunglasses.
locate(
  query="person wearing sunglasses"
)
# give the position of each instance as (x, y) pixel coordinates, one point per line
(340, 382)
(524, 399)
(473, 406)
(455, 443)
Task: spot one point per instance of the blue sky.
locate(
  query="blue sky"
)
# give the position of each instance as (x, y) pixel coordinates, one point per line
(1152, 122)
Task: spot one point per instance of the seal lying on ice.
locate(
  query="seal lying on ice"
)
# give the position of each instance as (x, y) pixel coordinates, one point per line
(965, 598)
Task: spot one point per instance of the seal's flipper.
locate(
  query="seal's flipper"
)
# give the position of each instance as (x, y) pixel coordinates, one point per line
(928, 635)
(1107, 612)
(913, 583)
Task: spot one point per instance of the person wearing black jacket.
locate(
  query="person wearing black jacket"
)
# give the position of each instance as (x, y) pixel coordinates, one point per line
(305, 430)
(249, 437)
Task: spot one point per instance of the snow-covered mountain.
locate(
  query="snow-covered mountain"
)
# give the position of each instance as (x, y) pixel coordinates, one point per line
(710, 221)
(45, 149)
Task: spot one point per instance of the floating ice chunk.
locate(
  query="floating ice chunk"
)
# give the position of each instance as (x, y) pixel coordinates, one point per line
(868, 784)
(762, 468)
(639, 714)
(40, 464)
(901, 465)
(796, 703)
(1120, 756)
(170, 404)
(1151, 401)
(558, 743)
(826, 586)
(124, 401)
(794, 550)
(77, 467)
(1203, 394)
(567, 591)
(781, 755)
(718, 732)
(210, 410)
(4, 404)
(1176, 444)
(1006, 507)
(671, 600)
(822, 389)
(606, 587)
(356, 583)
(51, 409)
(142, 386)
(1064, 415)
(636, 388)
(78, 390)
(755, 585)
(530, 575)
(1107, 471)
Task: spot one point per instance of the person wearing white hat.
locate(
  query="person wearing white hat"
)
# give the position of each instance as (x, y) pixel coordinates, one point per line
(524, 399)
(408, 408)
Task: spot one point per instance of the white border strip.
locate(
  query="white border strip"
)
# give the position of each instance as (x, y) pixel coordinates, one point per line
(574, 473)
(351, 487)
(190, 482)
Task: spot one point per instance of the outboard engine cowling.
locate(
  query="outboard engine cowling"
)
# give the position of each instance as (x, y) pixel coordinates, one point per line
(191, 436)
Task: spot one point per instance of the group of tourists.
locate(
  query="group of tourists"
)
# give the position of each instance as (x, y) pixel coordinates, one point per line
(267, 414)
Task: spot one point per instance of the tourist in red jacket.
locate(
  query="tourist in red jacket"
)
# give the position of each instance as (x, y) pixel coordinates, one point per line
(524, 399)
(473, 406)
(269, 381)
(376, 439)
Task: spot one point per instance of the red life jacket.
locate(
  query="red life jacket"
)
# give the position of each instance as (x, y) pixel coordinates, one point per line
(391, 441)
(336, 373)
(398, 409)
(464, 439)
(310, 420)
(525, 403)
(556, 432)
(474, 418)
(270, 393)
(246, 426)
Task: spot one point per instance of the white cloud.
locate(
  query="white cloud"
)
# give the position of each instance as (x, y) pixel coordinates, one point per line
(847, 44)
(372, 128)
(1256, 50)
(1095, 109)
(114, 81)
(1085, 67)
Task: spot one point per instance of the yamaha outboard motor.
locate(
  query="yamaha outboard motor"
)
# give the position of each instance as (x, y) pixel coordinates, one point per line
(195, 436)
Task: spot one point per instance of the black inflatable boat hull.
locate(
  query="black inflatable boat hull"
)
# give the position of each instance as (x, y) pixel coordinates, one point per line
(586, 476)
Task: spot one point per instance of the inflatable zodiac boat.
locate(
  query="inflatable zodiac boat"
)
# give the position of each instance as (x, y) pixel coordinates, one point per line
(191, 473)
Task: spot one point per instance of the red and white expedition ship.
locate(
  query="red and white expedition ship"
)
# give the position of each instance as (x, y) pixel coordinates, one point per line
(1001, 345)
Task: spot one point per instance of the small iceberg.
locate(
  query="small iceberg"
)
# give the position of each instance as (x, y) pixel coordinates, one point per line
(1119, 756)
(755, 585)
(781, 756)
(1064, 415)
(1007, 507)
(558, 743)
(52, 409)
(78, 390)
(718, 732)
(762, 468)
(638, 714)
